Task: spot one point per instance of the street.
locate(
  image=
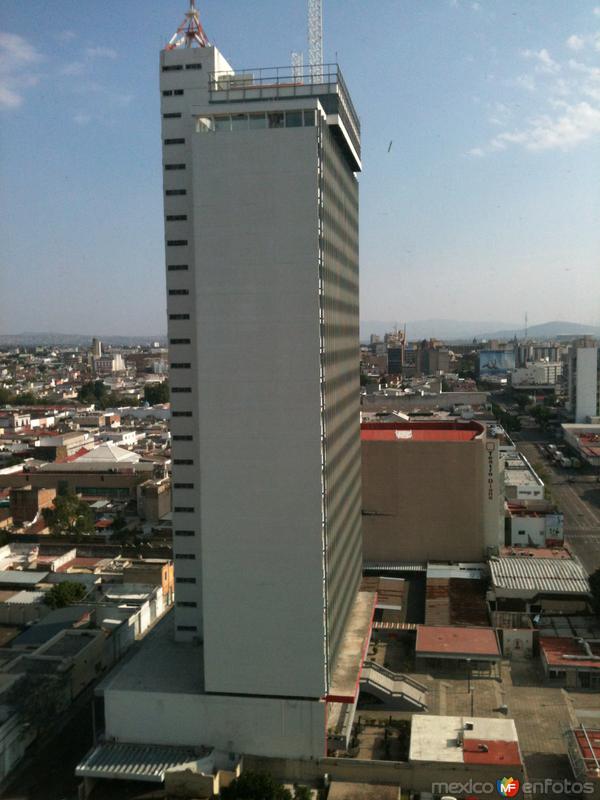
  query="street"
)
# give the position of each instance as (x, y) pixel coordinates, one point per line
(576, 493)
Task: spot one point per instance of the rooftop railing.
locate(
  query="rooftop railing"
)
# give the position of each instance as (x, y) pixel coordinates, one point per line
(284, 82)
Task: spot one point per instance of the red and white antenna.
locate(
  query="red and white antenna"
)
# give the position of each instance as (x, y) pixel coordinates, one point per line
(190, 33)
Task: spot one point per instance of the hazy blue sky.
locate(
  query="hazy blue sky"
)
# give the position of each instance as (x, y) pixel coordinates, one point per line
(487, 205)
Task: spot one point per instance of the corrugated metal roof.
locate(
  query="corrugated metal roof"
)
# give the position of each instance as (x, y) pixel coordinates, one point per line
(25, 597)
(560, 576)
(395, 566)
(13, 576)
(134, 762)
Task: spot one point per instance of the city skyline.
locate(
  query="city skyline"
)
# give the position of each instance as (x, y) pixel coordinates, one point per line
(479, 110)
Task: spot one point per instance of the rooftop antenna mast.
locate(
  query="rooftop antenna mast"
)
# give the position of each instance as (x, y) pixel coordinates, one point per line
(298, 67)
(190, 33)
(315, 39)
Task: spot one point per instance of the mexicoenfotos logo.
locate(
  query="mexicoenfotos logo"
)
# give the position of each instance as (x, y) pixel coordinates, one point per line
(507, 787)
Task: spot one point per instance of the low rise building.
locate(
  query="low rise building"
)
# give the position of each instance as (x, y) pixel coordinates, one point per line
(456, 595)
(584, 380)
(521, 481)
(456, 749)
(91, 478)
(109, 364)
(62, 447)
(475, 647)
(585, 441)
(27, 502)
(531, 584)
(533, 527)
(541, 374)
(583, 748)
(154, 499)
(95, 419)
(571, 662)
(152, 572)
(13, 421)
(430, 491)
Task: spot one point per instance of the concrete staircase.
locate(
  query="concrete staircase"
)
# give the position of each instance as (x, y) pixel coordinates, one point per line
(393, 689)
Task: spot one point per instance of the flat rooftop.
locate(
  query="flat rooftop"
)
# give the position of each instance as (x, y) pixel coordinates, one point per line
(439, 431)
(70, 643)
(456, 601)
(160, 664)
(571, 626)
(464, 740)
(453, 642)
(351, 655)
(13, 577)
(517, 472)
(560, 652)
(535, 552)
(340, 790)
(390, 591)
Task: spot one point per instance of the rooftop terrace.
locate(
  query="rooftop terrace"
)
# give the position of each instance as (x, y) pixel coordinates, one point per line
(439, 431)
(324, 81)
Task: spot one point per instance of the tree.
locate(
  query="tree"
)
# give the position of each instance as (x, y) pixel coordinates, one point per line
(5, 396)
(255, 786)
(119, 523)
(65, 594)
(69, 516)
(595, 589)
(156, 393)
(467, 366)
(95, 392)
(41, 698)
(26, 399)
(302, 793)
(522, 400)
(541, 414)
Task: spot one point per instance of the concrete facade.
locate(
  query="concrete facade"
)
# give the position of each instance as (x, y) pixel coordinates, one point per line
(426, 500)
(528, 528)
(28, 501)
(255, 725)
(541, 373)
(261, 230)
(584, 383)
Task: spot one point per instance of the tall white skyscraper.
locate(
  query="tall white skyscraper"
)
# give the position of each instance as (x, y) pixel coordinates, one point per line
(584, 380)
(261, 242)
(261, 231)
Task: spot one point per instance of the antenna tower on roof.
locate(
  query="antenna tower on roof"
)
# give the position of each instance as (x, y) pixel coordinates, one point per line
(190, 33)
(315, 38)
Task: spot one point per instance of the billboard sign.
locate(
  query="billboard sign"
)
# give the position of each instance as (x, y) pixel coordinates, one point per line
(496, 362)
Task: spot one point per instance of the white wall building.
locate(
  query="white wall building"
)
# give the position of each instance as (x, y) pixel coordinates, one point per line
(521, 481)
(261, 233)
(527, 527)
(541, 373)
(584, 382)
(261, 210)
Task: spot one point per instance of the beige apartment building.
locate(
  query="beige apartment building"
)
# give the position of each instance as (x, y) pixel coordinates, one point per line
(431, 491)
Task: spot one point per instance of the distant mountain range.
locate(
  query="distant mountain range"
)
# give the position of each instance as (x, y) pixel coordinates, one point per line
(31, 339)
(447, 329)
(455, 330)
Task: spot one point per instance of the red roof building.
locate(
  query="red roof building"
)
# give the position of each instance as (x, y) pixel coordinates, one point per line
(448, 642)
(446, 431)
(571, 662)
(583, 748)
